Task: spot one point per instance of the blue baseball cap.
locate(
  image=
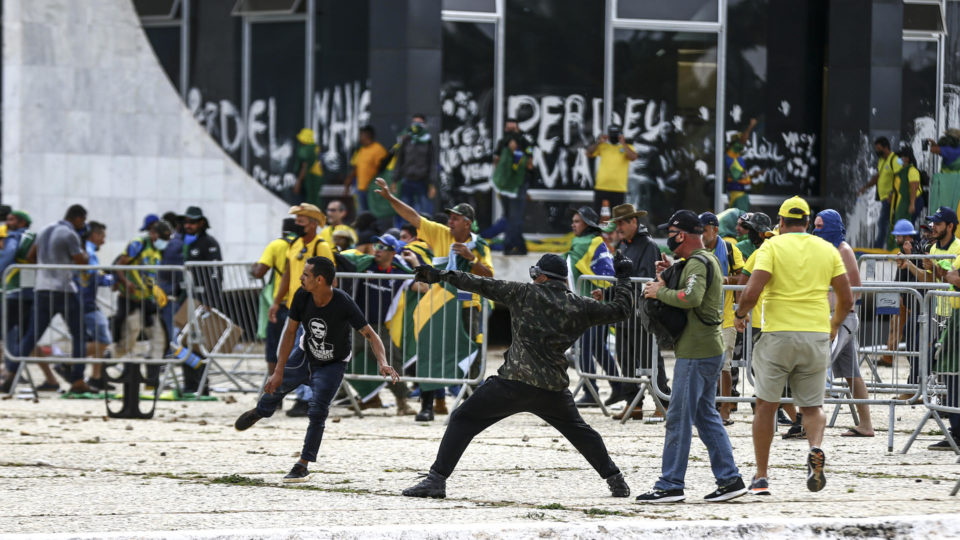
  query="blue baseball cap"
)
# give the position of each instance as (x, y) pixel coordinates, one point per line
(903, 227)
(944, 214)
(390, 241)
(149, 220)
(709, 218)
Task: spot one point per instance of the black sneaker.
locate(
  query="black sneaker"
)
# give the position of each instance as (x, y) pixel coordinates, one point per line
(943, 445)
(297, 474)
(725, 493)
(300, 408)
(796, 431)
(618, 486)
(617, 397)
(433, 485)
(783, 419)
(247, 419)
(662, 496)
(425, 415)
(760, 486)
(815, 462)
(99, 384)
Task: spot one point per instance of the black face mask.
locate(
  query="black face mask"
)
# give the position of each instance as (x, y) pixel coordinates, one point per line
(880, 153)
(298, 230)
(673, 243)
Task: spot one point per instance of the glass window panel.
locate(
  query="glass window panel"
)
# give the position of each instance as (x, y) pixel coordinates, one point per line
(775, 59)
(275, 114)
(665, 86)
(489, 6)
(923, 17)
(467, 98)
(919, 97)
(156, 8)
(557, 95)
(165, 41)
(674, 10)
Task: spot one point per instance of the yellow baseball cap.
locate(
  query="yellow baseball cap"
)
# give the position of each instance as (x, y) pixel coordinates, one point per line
(306, 136)
(794, 207)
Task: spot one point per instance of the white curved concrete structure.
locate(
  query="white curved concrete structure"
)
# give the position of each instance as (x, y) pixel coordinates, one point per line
(90, 117)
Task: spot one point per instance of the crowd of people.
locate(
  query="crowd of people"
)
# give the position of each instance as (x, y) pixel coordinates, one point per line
(148, 299)
(797, 271)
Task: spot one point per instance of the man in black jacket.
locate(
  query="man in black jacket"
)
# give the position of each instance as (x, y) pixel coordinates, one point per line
(199, 246)
(633, 345)
(417, 166)
(546, 319)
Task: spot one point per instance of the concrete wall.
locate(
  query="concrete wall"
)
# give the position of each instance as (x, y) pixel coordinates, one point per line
(90, 117)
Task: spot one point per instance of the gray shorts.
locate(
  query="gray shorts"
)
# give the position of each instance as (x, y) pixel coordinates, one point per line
(844, 359)
(797, 358)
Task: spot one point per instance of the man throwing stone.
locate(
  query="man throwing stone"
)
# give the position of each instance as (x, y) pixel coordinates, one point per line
(327, 315)
(795, 271)
(546, 319)
(699, 361)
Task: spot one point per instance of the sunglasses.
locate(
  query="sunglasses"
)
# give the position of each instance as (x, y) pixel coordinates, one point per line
(382, 247)
(301, 254)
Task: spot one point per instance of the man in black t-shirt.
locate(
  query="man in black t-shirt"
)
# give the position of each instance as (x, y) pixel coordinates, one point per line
(327, 315)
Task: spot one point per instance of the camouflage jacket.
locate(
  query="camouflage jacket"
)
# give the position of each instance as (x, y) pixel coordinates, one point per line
(545, 320)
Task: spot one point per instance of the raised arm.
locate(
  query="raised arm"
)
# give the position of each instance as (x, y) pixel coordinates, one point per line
(401, 208)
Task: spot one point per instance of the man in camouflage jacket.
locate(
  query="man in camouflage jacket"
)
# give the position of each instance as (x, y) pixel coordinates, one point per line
(546, 319)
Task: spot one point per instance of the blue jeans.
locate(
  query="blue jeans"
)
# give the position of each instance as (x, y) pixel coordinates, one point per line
(47, 304)
(415, 195)
(363, 203)
(594, 344)
(883, 226)
(692, 402)
(514, 209)
(324, 379)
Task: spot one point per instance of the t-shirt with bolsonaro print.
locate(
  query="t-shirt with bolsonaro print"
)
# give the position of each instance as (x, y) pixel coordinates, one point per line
(326, 330)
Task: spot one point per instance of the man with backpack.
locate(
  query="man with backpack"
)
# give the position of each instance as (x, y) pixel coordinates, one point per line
(699, 352)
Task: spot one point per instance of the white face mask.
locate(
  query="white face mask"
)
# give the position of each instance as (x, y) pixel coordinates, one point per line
(160, 244)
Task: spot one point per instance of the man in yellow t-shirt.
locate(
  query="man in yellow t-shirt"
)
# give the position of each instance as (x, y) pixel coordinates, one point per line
(613, 167)
(455, 247)
(274, 257)
(366, 163)
(795, 270)
(888, 165)
(308, 245)
(336, 213)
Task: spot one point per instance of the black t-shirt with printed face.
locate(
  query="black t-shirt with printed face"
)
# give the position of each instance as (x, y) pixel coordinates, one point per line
(326, 330)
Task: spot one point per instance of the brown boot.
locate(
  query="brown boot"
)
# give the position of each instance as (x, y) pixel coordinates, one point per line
(404, 408)
(885, 360)
(80, 387)
(373, 403)
(440, 406)
(635, 414)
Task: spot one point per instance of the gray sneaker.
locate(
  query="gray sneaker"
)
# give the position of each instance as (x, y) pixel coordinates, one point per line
(815, 462)
(760, 486)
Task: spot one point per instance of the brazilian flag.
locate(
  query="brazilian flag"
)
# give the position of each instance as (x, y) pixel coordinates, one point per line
(443, 347)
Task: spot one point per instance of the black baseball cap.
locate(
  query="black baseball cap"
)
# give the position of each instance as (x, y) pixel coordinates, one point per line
(685, 220)
(944, 214)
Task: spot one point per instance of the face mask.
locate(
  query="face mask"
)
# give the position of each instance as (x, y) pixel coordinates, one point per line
(880, 153)
(189, 238)
(673, 243)
(298, 230)
(737, 147)
(417, 127)
(160, 244)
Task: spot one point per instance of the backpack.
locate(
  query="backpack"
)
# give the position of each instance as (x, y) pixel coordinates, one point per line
(666, 322)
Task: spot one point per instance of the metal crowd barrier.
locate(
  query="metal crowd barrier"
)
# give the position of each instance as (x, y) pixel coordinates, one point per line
(432, 335)
(880, 306)
(883, 267)
(119, 321)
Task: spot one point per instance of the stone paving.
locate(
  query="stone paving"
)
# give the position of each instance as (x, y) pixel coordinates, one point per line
(66, 468)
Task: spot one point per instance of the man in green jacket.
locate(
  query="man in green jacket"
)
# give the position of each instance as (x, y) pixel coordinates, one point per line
(699, 361)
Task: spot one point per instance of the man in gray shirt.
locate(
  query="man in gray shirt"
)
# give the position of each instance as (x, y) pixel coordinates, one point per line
(56, 291)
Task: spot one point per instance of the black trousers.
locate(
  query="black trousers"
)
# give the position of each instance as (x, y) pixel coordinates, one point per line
(497, 399)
